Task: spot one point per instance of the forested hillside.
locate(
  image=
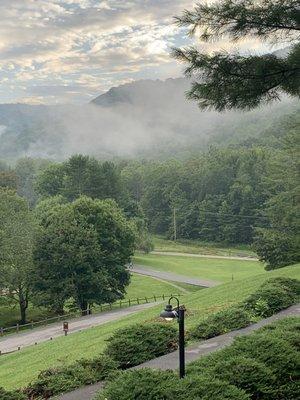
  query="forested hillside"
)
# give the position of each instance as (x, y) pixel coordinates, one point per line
(239, 193)
(144, 119)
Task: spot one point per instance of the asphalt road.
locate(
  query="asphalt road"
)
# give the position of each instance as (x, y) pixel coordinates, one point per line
(174, 253)
(11, 342)
(169, 276)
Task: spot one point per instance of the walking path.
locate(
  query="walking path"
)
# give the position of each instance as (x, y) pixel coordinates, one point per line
(193, 352)
(12, 342)
(169, 276)
(173, 253)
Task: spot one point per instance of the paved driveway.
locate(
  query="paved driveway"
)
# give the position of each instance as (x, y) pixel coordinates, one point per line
(11, 343)
(169, 276)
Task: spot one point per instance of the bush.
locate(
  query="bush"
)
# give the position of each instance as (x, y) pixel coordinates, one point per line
(287, 329)
(11, 395)
(268, 300)
(246, 373)
(54, 381)
(274, 352)
(292, 285)
(274, 295)
(99, 367)
(265, 364)
(139, 343)
(222, 322)
(147, 384)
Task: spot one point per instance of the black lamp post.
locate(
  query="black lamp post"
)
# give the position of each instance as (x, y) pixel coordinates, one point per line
(169, 314)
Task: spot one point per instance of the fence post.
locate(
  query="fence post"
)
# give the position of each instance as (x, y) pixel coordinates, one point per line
(120, 304)
(31, 324)
(18, 328)
(163, 297)
(129, 303)
(154, 297)
(110, 305)
(137, 300)
(146, 300)
(1, 331)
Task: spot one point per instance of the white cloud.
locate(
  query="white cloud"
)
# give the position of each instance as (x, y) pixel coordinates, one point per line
(89, 44)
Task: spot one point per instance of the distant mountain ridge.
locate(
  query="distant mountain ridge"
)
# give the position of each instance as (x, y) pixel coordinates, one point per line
(146, 118)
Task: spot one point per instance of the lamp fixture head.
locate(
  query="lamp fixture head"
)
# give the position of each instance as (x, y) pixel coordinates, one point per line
(169, 313)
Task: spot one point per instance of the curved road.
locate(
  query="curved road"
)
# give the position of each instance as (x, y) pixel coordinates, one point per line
(174, 253)
(169, 276)
(11, 343)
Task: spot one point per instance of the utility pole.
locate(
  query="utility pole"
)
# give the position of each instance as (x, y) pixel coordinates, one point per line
(174, 224)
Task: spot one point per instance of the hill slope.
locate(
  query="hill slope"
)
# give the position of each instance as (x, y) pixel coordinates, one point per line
(92, 341)
(149, 119)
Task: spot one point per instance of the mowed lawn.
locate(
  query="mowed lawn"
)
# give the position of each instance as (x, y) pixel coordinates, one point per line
(198, 247)
(19, 368)
(207, 268)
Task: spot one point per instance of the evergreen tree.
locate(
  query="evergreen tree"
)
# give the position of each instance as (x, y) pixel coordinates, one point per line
(224, 80)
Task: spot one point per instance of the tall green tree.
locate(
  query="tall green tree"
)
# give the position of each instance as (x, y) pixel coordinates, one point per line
(81, 175)
(17, 238)
(81, 253)
(230, 80)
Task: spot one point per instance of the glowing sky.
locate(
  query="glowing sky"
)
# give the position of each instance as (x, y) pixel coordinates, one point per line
(57, 51)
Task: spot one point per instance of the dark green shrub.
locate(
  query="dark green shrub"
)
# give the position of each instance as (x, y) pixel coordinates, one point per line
(100, 366)
(288, 284)
(54, 381)
(142, 384)
(246, 373)
(138, 343)
(58, 380)
(268, 300)
(275, 353)
(287, 329)
(208, 388)
(146, 384)
(11, 395)
(222, 322)
(289, 391)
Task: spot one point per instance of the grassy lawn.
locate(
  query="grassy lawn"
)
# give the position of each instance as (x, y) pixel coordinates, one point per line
(14, 374)
(207, 268)
(146, 286)
(197, 247)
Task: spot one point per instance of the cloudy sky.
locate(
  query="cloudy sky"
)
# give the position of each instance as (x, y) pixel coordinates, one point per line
(57, 51)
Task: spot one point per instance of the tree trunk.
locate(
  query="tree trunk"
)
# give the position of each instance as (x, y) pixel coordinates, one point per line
(23, 304)
(84, 306)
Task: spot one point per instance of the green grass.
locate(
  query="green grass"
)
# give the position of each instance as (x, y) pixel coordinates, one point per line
(197, 247)
(207, 268)
(19, 368)
(145, 286)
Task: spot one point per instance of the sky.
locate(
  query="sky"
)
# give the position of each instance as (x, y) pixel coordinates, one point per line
(70, 51)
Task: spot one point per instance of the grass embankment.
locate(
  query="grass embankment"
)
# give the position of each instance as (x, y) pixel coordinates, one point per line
(18, 369)
(197, 247)
(206, 268)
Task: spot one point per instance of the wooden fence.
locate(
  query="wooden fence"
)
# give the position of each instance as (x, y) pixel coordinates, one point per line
(79, 313)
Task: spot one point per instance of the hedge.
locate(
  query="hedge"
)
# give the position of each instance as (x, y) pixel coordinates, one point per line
(139, 343)
(54, 381)
(274, 295)
(147, 384)
(11, 395)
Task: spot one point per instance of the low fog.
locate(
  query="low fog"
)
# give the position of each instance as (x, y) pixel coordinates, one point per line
(148, 119)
